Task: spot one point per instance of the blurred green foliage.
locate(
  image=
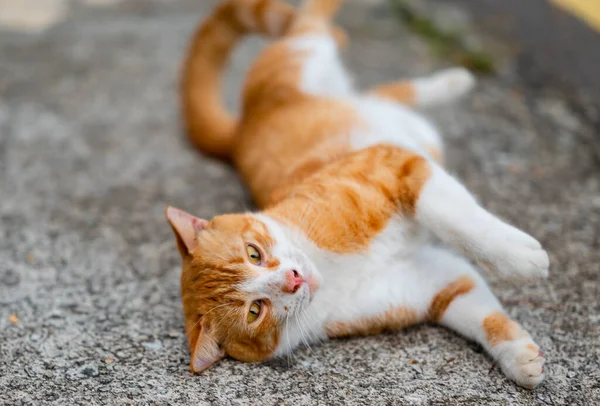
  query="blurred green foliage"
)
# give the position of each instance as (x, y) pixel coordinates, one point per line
(447, 45)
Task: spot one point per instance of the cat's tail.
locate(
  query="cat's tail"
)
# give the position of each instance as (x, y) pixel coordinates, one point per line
(316, 16)
(209, 125)
(322, 8)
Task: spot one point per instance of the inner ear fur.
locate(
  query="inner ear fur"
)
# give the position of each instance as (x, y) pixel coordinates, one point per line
(186, 228)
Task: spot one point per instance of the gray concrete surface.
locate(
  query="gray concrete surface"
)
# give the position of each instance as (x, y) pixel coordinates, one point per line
(91, 151)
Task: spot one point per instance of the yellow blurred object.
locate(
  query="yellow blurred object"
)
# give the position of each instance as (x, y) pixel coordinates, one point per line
(587, 10)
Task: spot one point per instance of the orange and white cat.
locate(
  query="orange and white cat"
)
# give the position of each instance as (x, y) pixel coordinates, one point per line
(351, 189)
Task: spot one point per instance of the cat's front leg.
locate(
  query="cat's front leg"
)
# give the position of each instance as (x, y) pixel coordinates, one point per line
(448, 210)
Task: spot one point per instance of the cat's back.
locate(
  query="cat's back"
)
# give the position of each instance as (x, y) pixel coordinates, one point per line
(279, 144)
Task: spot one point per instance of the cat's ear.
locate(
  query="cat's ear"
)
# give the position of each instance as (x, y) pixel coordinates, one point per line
(186, 228)
(206, 351)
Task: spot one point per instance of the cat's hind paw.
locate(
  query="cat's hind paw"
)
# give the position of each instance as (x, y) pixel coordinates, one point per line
(455, 81)
(523, 362)
(444, 86)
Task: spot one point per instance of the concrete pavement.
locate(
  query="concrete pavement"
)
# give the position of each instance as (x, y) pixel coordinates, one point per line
(91, 151)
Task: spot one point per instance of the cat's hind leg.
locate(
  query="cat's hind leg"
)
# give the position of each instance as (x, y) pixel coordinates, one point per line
(440, 87)
(387, 111)
(467, 306)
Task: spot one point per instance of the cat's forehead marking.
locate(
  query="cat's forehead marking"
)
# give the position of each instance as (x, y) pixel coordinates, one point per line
(280, 240)
(256, 229)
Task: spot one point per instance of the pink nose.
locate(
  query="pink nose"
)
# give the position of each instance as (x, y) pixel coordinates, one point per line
(293, 282)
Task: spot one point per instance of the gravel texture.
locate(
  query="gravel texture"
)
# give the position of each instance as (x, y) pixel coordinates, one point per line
(91, 151)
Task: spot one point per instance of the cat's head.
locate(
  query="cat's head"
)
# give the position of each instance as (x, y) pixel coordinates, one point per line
(239, 284)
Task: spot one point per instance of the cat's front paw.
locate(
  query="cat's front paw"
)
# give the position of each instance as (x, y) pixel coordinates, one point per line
(512, 252)
(522, 361)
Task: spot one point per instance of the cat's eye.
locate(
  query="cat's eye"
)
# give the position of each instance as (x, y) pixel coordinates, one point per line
(254, 311)
(253, 254)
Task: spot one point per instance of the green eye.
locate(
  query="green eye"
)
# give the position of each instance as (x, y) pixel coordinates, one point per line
(253, 254)
(254, 311)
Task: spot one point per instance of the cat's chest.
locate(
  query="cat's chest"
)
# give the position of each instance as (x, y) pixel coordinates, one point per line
(363, 283)
(396, 242)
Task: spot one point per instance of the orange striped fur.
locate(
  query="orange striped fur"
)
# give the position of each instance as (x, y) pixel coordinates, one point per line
(210, 127)
(352, 199)
(446, 296)
(392, 319)
(499, 327)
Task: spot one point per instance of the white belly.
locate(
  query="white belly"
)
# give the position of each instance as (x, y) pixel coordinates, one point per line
(391, 123)
(379, 277)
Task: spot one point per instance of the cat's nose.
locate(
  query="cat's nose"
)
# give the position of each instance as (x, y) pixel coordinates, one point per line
(293, 281)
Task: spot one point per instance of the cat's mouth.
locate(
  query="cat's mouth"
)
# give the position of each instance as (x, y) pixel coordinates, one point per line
(310, 284)
(311, 277)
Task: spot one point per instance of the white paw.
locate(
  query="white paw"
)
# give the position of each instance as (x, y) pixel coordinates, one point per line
(522, 361)
(444, 86)
(455, 81)
(510, 251)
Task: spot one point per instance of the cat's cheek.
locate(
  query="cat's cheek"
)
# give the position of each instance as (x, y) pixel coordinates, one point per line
(314, 283)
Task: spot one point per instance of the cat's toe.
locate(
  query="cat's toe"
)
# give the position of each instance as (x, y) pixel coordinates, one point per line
(530, 262)
(513, 252)
(523, 362)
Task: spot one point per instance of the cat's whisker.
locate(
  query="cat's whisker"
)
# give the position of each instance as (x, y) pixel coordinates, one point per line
(312, 227)
(308, 340)
(303, 324)
(309, 331)
(305, 212)
(298, 308)
(219, 256)
(300, 329)
(307, 208)
(204, 315)
(319, 339)
(308, 320)
(289, 354)
(306, 328)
